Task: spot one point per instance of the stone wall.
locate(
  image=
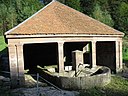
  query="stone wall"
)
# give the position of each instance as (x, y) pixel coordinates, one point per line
(82, 82)
(87, 81)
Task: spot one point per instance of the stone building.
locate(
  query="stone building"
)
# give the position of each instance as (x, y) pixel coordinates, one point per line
(50, 35)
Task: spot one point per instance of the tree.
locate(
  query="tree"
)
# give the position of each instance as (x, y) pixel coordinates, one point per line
(3, 16)
(11, 17)
(76, 4)
(123, 17)
(87, 6)
(119, 13)
(13, 12)
(102, 16)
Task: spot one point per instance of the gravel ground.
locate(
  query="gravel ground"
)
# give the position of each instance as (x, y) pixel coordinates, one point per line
(31, 90)
(43, 91)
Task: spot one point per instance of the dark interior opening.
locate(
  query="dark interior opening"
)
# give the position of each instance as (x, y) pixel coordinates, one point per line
(72, 46)
(88, 54)
(100, 71)
(43, 54)
(105, 54)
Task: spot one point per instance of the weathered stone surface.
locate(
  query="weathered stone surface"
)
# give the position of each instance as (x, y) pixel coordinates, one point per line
(2, 77)
(31, 82)
(77, 59)
(51, 69)
(4, 82)
(84, 80)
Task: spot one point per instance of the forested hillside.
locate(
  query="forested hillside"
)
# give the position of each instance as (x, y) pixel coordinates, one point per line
(111, 12)
(12, 12)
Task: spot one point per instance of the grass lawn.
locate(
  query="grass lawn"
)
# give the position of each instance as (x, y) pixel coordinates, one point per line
(117, 87)
(2, 43)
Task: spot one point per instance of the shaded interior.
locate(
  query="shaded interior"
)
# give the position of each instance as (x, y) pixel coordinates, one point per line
(45, 54)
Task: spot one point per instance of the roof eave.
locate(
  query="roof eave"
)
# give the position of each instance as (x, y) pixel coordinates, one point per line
(63, 35)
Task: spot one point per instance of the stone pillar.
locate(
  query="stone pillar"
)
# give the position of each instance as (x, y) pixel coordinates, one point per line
(93, 53)
(77, 60)
(60, 57)
(117, 55)
(20, 65)
(13, 65)
(121, 66)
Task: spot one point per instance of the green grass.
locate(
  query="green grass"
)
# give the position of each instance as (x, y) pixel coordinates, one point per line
(125, 49)
(3, 45)
(117, 87)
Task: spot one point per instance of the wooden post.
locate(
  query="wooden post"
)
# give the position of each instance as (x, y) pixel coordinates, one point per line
(13, 65)
(93, 54)
(60, 57)
(20, 64)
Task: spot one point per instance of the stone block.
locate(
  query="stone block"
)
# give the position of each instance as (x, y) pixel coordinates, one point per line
(77, 59)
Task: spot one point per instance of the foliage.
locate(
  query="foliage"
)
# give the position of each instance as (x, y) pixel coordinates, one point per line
(125, 50)
(74, 4)
(87, 6)
(119, 13)
(3, 16)
(2, 43)
(123, 17)
(102, 16)
(113, 12)
(13, 12)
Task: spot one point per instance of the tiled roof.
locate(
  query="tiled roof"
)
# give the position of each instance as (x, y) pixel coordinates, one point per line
(57, 18)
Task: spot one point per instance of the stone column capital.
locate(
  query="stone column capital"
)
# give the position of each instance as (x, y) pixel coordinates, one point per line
(19, 44)
(11, 45)
(93, 41)
(60, 42)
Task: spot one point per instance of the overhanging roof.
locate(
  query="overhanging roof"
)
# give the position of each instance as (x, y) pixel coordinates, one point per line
(57, 18)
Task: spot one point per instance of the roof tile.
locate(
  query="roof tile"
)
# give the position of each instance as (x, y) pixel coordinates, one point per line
(58, 18)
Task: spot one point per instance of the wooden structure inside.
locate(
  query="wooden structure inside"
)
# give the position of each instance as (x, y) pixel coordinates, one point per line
(60, 24)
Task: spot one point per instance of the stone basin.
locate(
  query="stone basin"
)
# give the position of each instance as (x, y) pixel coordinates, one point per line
(83, 79)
